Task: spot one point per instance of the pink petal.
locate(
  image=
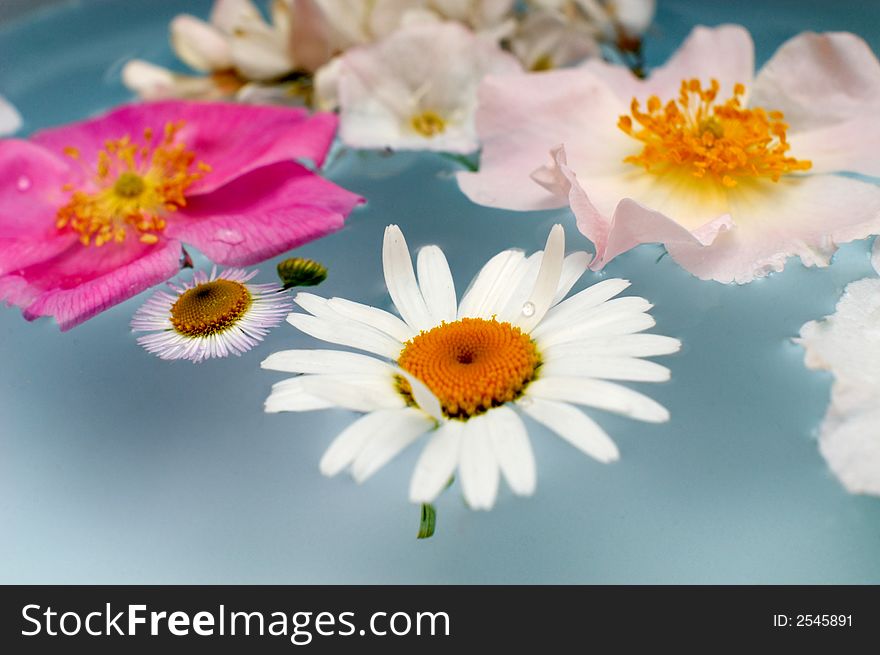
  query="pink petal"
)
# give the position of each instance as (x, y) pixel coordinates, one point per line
(725, 53)
(630, 224)
(232, 138)
(31, 181)
(522, 117)
(84, 281)
(819, 80)
(828, 86)
(262, 214)
(805, 217)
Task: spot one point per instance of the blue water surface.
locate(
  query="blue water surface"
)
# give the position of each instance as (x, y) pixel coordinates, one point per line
(116, 467)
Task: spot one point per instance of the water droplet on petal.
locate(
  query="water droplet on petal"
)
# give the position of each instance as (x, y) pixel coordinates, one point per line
(528, 309)
(232, 237)
(23, 183)
(525, 401)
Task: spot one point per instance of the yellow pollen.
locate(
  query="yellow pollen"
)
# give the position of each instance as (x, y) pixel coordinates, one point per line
(133, 187)
(428, 123)
(471, 365)
(724, 141)
(542, 63)
(210, 308)
(129, 185)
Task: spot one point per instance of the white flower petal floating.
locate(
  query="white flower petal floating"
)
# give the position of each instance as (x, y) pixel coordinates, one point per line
(847, 344)
(734, 173)
(416, 89)
(10, 119)
(514, 341)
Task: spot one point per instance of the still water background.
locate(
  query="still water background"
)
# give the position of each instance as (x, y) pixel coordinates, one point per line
(116, 467)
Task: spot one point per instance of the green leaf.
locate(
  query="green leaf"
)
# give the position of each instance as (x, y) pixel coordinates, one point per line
(428, 521)
(300, 272)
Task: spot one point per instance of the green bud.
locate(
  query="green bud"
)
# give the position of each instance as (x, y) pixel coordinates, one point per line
(299, 272)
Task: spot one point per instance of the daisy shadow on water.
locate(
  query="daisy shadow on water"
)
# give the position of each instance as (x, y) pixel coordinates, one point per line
(461, 373)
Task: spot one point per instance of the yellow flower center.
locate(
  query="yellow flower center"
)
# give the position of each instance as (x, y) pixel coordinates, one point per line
(471, 365)
(210, 308)
(428, 123)
(707, 138)
(134, 187)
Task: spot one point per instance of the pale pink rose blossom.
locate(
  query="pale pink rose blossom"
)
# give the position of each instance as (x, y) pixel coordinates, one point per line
(553, 139)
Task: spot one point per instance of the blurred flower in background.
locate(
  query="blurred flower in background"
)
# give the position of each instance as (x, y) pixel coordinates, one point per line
(10, 119)
(389, 98)
(293, 58)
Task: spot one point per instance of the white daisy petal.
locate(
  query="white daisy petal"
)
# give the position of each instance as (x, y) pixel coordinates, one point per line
(514, 290)
(478, 299)
(592, 296)
(477, 465)
(352, 335)
(323, 361)
(574, 426)
(510, 443)
(401, 280)
(351, 441)
(542, 296)
(601, 395)
(426, 400)
(583, 304)
(573, 268)
(620, 316)
(315, 305)
(437, 463)
(400, 429)
(292, 397)
(435, 282)
(360, 393)
(607, 368)
(374, 317)
(624, 345)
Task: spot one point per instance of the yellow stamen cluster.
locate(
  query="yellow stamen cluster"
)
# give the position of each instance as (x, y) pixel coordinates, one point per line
(471, 365)
(210, 308)
(428, 123)
(725, 141)
(134, 186)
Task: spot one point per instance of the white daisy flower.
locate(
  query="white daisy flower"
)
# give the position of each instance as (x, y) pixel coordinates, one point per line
(465, 371)
(210, 316)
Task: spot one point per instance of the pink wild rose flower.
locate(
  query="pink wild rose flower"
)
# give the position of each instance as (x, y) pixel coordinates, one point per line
(95, 212)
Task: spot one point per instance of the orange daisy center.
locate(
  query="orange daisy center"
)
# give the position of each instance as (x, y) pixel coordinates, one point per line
(720, 140)
(471, 365)
(134, 186)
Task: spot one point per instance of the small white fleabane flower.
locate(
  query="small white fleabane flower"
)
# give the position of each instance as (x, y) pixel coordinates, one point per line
(210, 316)
(465, 371)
